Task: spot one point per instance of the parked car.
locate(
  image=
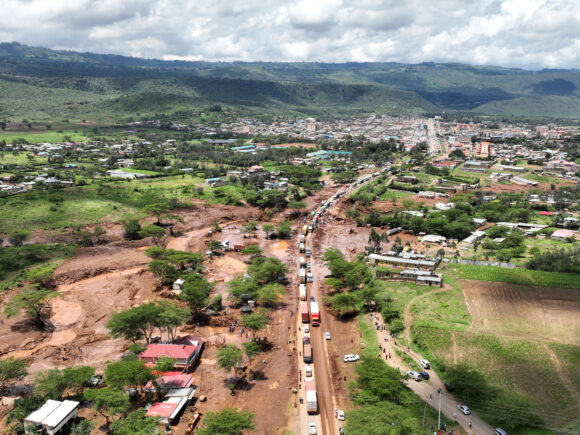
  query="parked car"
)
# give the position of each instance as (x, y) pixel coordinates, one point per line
(306, 329)
(424, 375)
(327, 335)
(312, 428)
(308, 265)
(351, 357)
(464, 409)
(340, 415)
(448, 386)
(425, 364)
(499, 431)
(414, 375)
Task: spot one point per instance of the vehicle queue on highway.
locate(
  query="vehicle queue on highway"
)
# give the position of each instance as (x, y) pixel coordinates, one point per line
(309, 308)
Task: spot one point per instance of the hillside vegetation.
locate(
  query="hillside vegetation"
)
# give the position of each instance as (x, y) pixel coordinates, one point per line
(47, 84)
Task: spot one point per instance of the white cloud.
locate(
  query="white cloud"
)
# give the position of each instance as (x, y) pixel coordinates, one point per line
(520, 33)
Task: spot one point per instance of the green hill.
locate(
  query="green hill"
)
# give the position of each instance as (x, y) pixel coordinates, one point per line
(44, 84)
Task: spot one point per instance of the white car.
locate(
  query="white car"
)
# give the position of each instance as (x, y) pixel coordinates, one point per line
(351, 357)
(414, 375)
(306, 329)
(327, 335)
(340, 415)
(425, 364)
(312, 428)
(464, 409)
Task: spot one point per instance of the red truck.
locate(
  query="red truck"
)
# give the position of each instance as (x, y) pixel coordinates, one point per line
(304, 312)
(239, 247)
(314, 313)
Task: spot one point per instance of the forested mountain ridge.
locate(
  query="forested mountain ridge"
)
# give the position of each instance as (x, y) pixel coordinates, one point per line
(40, 83)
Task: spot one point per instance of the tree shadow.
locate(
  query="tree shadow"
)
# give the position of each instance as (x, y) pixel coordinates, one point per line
(27, 325)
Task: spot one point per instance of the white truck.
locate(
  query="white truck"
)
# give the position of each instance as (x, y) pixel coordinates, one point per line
(302, 262)
(309, 277)
(302, 276)
(302, 292)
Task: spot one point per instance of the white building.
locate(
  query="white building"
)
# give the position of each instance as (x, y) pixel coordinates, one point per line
(51, 417)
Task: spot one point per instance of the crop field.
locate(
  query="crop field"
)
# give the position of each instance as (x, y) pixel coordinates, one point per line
(519, 276)
(501, 307)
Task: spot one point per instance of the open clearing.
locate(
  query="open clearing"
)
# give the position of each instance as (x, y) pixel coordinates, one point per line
(518, 310)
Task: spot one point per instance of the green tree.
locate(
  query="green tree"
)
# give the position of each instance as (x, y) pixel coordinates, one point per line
(129, 372)
(195, 292)
(255, 322)
(136, 423)
(251, 349)
(385, 418)
(250, 228)
(284, 229)
(345, 303)
(108, 402)
(53, 383)
(228, 421)
(83, 427)
(171, 317)
(331, 255)
(163, 271)
(267, 270)
(153, 231)
(132, 228)
(229, 357)
(157, 209)
(11, 368)
(269, 229)
(17, 237)
(239, 286)
(34, 302)
(273, 199)
(297, 206)
(252, 251)
(135, 323)
(344, 176)
(268, 294)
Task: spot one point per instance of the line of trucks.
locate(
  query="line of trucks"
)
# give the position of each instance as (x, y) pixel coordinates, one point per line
(310, 313)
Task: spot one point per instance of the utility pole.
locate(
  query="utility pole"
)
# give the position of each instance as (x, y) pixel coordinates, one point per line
(439, 419)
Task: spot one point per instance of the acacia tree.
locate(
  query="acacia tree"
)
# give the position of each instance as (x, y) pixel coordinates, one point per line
(251, 349)
(136, 423)
(35, 303)
(269, 229)
(268, 294)
(129, 372)
(11, 368)
(228, 421)
(229, 358)
(108, 402)
(255, 322)
(54, 382)
(157, 209)
(171, 317)
(164, 272)
(195, 292)
(153, 231)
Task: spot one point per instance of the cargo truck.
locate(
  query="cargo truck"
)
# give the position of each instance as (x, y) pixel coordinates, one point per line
(304, 312)
(305, 229)
(311, 399)
(314, 313)
(302, 291)
(302, 238)
(302, 276)
(307, 350)
(302, 262)
(301, 247)
(309, 277)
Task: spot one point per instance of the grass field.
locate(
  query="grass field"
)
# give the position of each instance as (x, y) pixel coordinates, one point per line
(445, 310)
(45, 136)
(89, 204)
(518, 276)
(21, 159)
(515, 365)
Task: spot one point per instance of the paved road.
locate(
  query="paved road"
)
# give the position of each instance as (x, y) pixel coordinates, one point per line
(428, 391)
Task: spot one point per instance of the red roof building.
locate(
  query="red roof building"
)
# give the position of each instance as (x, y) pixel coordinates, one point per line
(161, 409)
(169, 382)
(184, 353)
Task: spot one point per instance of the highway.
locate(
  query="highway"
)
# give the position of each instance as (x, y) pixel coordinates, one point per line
(325, 420)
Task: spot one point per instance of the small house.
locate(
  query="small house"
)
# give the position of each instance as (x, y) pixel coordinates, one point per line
(51, 417)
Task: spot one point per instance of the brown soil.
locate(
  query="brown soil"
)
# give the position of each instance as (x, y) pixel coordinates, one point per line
(532, 312)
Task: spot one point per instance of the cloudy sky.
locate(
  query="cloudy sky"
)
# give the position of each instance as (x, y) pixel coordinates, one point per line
(517, 33)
